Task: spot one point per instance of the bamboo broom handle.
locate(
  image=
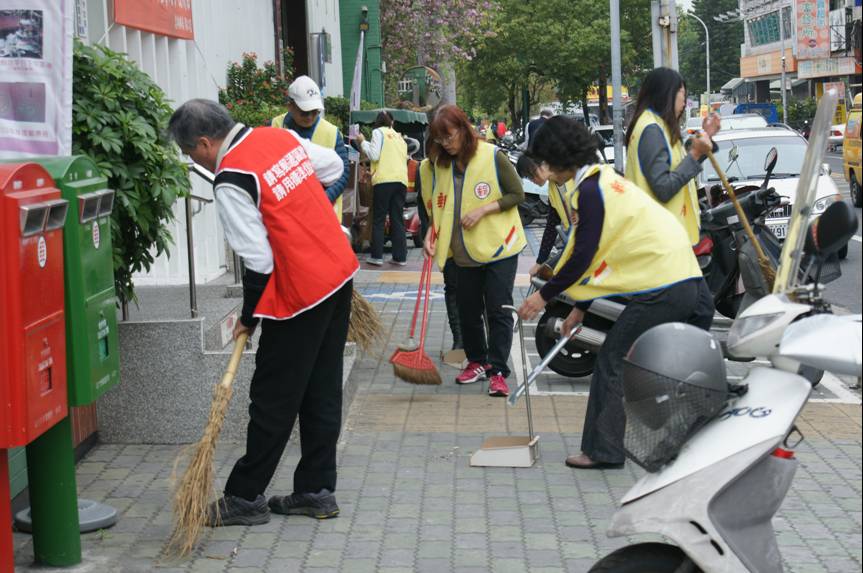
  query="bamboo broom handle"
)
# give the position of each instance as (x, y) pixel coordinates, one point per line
(234, 363)
(740, 214)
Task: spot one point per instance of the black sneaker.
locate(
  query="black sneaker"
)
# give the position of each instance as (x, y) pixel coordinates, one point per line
(234, 510)
(321, 505)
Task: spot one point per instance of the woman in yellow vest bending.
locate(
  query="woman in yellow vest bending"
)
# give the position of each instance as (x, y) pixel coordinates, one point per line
(475, 221)
(559, 198)
(388, 154)
(624, 244)
(656, 160)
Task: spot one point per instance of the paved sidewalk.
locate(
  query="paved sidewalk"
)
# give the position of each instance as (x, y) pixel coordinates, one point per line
(411, 502)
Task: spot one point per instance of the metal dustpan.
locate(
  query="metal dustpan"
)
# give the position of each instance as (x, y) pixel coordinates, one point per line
(511, 451)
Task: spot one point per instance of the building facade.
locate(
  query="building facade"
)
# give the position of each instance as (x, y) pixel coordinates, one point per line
(814, 38)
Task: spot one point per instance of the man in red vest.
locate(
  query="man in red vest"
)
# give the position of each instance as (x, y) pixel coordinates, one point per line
(297, 283)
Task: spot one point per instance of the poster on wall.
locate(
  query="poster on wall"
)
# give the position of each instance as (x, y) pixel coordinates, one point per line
(171, 18)
(813, 29)
(35, 78)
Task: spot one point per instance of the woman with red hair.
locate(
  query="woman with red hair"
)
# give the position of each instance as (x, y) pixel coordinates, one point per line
(474, 220)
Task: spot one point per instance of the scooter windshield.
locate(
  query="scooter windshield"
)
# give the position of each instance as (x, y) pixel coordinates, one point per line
(792, 250)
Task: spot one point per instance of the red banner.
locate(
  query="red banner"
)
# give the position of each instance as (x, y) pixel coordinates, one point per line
(166, 17)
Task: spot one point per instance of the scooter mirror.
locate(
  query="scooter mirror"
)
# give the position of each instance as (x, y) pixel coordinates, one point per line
(832, 230)
(770, 160)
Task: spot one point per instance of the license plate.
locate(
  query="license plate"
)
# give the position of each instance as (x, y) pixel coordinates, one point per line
(781, 231)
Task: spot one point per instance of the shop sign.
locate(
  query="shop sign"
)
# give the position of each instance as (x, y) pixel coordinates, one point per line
(813, 29)
(824, 67)
(165, 17)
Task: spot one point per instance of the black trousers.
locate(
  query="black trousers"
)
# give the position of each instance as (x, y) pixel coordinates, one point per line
(605, 421)
(298, 373)
(483, 290)
(450, 290)
(389, 199)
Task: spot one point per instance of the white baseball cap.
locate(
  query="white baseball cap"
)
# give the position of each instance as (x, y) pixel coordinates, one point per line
(304, 92)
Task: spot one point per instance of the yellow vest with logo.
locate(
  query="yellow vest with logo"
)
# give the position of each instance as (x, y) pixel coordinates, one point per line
(684, 205)
(641, 248)
(561, 200)
(325, 135)
(392, 166)
(496, 236)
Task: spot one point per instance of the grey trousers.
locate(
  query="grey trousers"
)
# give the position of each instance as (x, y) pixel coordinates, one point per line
(605, 421)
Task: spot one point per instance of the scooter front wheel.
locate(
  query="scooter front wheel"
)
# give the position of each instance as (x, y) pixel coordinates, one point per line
(569, 363)
(646, 558)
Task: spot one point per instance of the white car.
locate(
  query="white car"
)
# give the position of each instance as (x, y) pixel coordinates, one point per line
(837, 133)
(753, 146)
(742, 121)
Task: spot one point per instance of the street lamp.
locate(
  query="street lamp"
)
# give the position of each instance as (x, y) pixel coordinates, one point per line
(707, 41)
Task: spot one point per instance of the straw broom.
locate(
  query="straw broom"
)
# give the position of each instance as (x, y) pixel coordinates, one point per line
(365, 327)
(194, 492)
(763, 262)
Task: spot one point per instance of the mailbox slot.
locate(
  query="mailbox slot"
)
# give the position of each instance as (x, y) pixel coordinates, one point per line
(33, 218)
(56, 214)
(88, 207)
(106, 205)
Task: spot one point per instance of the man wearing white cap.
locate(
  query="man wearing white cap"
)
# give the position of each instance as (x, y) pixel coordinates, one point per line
(305, 117)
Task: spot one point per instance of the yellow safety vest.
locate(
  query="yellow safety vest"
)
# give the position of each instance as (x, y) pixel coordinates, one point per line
(560, 198)
(325, 135)
(497, 236)
(425, 172)
(392, 166)
(684, 205)
(641, 247)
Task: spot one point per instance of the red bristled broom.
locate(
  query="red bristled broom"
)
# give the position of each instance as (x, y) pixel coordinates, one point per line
(410, 362)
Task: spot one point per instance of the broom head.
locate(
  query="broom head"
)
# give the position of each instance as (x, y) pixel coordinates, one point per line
(415, 367)
(194, 491)
(365, 325)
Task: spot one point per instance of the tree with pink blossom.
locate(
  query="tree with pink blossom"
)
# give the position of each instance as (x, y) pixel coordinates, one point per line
(436, 33)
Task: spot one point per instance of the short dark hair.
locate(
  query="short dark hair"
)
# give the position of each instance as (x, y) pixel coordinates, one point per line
(199, 118)
(563, 143)
(658, 93)
(525, 166)
(383, 119)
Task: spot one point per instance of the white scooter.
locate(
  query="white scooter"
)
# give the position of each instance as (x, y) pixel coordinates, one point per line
(715, 498)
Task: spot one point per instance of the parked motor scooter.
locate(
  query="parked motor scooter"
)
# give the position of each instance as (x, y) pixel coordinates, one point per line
(715, 483)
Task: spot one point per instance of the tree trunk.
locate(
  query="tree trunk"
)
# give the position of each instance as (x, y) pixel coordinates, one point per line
(603, 96)
(447, 72)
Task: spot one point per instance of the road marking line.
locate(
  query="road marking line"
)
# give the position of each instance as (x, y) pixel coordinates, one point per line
(856, 238)
(837, 387)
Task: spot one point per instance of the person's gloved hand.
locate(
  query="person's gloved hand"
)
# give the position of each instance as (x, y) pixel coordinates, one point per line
(701, 144)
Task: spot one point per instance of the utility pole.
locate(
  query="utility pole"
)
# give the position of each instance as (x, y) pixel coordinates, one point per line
(782, 50)
(616, 84)
(663, 16)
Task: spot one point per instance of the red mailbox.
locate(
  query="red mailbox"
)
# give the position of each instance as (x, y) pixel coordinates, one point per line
(32, 323)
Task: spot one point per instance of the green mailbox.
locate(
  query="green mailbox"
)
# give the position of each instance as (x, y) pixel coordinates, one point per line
(91, 314)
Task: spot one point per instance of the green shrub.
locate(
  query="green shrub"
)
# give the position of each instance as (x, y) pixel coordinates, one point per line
(254, 95)
(119, 117)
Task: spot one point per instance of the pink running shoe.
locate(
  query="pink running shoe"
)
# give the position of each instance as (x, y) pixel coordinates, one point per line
(497, 386)
(473, 373)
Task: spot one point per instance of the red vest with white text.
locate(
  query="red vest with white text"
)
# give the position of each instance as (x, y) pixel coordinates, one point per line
(312, 258)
